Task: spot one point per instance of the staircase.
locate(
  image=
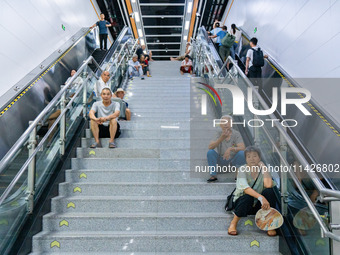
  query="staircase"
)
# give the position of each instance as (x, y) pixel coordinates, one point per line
(141, 198)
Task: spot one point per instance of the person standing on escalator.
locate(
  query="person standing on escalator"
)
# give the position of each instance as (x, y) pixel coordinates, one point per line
(103, 25)
(254, 63)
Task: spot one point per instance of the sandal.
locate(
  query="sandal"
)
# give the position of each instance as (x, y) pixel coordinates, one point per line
(232, 233)
(212, 179)
(271, 235)
(112, 145)
(95, 145)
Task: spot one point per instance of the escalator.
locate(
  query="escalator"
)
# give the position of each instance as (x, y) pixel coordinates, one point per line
(303, 194)
(30, 167)
(99, 56)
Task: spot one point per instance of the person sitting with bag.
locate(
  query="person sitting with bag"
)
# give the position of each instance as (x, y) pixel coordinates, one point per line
(254, 189)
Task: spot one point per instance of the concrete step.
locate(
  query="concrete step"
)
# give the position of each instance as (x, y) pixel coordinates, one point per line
(144, 176)
(160, 110)
(125, 222)
(130, 143)
(137, 204)
(146, 134)
(154, 241)
(156, 114)
(126, 163)
(154, 253)
(100, 153)
(144, 189)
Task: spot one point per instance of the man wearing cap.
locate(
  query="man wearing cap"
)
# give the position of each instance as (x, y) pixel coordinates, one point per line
(120, 93)
(105, 124)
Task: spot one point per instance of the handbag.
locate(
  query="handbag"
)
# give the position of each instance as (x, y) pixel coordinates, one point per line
(230, 199)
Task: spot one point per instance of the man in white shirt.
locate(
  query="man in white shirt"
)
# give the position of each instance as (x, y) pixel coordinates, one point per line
(254, 68)
(105, 124)
(102, 83)
(135, 69)
(186, 65)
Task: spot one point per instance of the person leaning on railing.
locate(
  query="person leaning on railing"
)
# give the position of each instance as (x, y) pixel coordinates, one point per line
(254, 189)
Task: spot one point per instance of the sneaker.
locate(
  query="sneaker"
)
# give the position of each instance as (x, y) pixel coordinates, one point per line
(149, 75)
(130, 77)
(142, 78)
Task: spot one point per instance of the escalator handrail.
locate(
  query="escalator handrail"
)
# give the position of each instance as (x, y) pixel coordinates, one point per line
(302, 160)
(40, 145)
(88, 30)
(319, 107)
(316, 180)
(8, 158)
(52, 104)
(315, 104)
(288, 139)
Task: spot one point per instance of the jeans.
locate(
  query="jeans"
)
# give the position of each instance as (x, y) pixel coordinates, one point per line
(215, 159)
(233, 50)
(103, 38)
(244, 205)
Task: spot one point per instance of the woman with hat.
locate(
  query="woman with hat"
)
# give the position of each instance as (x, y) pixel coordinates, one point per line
(120, 93)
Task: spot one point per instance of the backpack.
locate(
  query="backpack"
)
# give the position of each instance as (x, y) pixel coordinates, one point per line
(228, 40)
(258, 60)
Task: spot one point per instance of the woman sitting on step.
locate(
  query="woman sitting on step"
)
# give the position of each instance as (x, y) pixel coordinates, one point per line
(254, 189)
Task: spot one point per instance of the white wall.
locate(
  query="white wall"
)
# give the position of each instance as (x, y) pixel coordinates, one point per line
(31, 31)
(303, 36)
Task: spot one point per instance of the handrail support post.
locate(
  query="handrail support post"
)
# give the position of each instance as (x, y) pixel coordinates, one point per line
(62, 124)
(31, 170)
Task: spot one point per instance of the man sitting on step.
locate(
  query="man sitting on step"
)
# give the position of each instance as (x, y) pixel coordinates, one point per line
(106, 123)
(229, 147)
(135, 69)
(103, 82)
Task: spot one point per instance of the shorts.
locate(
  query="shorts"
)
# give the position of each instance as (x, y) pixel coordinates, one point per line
(104, 131)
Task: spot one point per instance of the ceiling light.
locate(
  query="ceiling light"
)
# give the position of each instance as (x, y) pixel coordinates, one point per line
(140, 32)
(137, 16)
(187, 25)
(133, 1)
(189, 7)
(142, 42)
(185, 37)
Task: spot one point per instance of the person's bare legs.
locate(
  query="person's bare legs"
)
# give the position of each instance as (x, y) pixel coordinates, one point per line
(51, 121)
(128, 114)
(113, 129)
(95, 131)
(233, 224)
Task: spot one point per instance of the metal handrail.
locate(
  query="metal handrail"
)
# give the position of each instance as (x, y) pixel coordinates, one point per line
(8, 158)
(43, 140)
(291, 144)
(322, 189)
(301, 159)
(280, 68)
(319, 185)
